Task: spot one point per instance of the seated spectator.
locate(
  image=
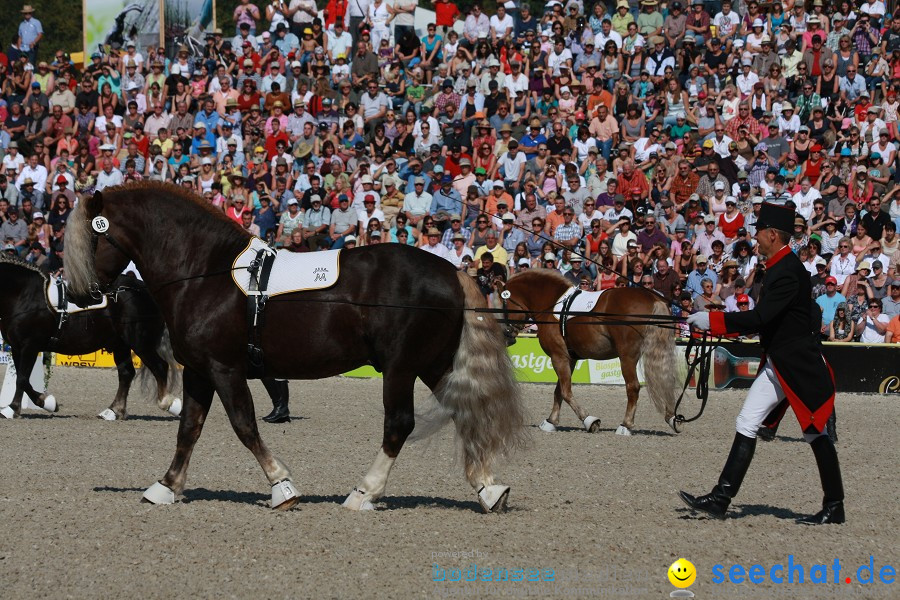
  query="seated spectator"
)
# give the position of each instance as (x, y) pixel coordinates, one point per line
(872, 324)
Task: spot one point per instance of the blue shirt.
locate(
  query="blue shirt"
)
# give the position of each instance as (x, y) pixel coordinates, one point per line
(29, 30)
(529, 144)
(829, 305)
(695, 277)
(211, 121)
(450, 202)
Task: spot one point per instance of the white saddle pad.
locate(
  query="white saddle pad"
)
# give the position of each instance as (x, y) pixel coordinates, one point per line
(52, 293)
(292, 271)
(584, 302)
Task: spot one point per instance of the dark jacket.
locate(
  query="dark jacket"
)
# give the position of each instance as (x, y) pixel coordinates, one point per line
(787, 322)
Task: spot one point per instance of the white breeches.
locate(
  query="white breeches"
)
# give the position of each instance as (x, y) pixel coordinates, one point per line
(764, 395)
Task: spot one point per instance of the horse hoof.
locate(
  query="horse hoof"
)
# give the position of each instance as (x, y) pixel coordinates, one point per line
(158, 494)
(50, 404)
(493, 498)
(622, 430)
(284, 495)
(547, 426)
(673, 424)
(107, 415)
(357, 501)
(7, 413)
(592, 424)
(175, 407)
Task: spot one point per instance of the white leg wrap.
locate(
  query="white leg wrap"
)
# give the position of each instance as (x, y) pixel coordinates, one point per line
(283, 491)
(492, 498)
(50, 404)
(622, 430)
(175, 407)
(7, 413)
(107, 415)
(673, 424)
(159, 494)
(589, 420)
(547, 426)
(357, 501)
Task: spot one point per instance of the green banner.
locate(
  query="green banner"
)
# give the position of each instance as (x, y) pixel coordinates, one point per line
(533, 366)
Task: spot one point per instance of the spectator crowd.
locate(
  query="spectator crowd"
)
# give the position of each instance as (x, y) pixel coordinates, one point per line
(621, 144)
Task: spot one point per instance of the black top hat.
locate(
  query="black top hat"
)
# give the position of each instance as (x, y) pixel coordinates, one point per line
(774, 216)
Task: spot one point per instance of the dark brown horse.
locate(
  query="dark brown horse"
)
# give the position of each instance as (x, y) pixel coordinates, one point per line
(534, 294)
(131, 321)
(404, 311)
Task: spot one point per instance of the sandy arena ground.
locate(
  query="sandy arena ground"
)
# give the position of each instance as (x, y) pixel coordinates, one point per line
(600, 510)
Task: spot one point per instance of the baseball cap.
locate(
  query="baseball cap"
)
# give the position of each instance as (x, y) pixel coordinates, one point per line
(830, 279)
(701, 259)
(743, 299)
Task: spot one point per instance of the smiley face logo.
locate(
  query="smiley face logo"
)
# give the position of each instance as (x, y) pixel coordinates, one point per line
(682, 573)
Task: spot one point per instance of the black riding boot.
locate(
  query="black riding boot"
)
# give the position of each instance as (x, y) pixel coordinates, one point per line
(278, 390)
(832, 486)
(716, 502)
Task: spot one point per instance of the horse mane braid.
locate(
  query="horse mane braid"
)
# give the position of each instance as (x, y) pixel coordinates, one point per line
(168, 189)
(552, 273)
(18, 262)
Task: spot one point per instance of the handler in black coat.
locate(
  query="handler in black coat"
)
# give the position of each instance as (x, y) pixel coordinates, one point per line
(793, 368)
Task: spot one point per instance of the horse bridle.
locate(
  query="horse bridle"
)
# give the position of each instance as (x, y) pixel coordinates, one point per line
(514, 330)
(100, 228)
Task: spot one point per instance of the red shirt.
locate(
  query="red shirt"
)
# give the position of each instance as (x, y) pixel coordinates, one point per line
(272, 140)
(729, 230)
(445, 13)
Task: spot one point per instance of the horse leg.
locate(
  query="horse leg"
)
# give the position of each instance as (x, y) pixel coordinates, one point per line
(198, 394)
(591, 424)
(235, 396)
(399, 421)
(125, 367)
(24, 360)
(632, 389)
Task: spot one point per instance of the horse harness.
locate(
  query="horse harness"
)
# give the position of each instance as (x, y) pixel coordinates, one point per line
(62, 304)
(260, 270)
(568, 299)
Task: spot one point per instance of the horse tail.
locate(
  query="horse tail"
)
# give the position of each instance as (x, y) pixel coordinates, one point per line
(481, 393)
(164, 350)
(658, 352)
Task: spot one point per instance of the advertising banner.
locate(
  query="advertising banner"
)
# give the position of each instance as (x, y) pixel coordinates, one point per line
(108, 24)
(100, 358)
(858, 368)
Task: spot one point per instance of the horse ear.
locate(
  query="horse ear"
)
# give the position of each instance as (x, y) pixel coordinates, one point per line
(93, 205)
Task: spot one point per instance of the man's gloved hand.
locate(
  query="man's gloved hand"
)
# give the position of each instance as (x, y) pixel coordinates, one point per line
(699, 320)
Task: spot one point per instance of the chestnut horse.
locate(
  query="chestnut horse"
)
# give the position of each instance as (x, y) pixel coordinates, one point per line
(533, 294)
(406, 312)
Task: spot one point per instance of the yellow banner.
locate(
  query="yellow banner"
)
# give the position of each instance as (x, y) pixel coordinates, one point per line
(101, 358)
